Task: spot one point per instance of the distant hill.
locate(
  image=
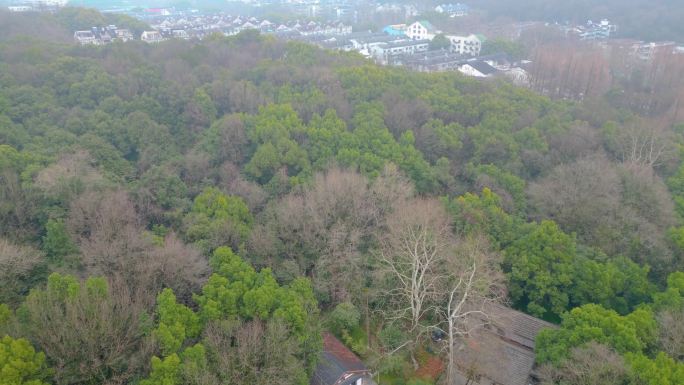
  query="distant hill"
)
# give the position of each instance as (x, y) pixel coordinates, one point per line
(61, 26)
(108, 4)
(641, 19)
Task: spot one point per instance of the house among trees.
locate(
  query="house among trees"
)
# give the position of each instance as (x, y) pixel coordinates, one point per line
(86, 38)
(337, 365)
(421, 30)
(433, 61)
(386, 53)
(151, 37)
(478, 69)
(102, 35)
(597, 31)
(502, 351)
(453, 10)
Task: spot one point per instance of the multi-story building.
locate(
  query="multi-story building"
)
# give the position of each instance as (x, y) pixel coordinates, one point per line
(648, 51)
(386, 53)
(432, 61)
(151, 37)
(86, 38)
(421, 30)
(465, 45)
(597, 31)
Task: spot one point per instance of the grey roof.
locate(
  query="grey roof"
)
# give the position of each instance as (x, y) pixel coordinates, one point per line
(498, 57)
(504, 351)
(374, 39)
(482, 67)
(434, 58)
(335, 363)
(406, 43)
(520, 328)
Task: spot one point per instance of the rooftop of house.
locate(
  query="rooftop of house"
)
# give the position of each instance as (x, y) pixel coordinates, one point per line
(520, 327)
(455, 7)
(374, 39)
(432, 58)
(336, 362)
(428, 25)
(482, 67)
(405, 43)
(84, 34)
(504, 350)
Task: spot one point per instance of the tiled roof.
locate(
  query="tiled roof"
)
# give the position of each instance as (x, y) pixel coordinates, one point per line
(503, 352)
(335, 361)
(428, 25)
(520, 328)
(482, 67)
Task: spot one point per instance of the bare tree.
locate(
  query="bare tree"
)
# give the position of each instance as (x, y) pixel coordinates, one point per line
(92, 337)
(415, 250)
(108, 231)
(578, 141)
(69, 167)
(570, 70)
(174, 264)
(645, 143)
(253, 353)
(324, 228)
(234, 183)
(17, 264)
(321, 228)
(113, 243)
(672, 332)
(17, 207)
(474, 282)
(588, 365)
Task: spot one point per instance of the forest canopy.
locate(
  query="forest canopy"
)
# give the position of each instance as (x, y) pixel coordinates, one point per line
(197, 212)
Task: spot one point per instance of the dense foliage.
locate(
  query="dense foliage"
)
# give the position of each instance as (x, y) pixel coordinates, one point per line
(180, 213)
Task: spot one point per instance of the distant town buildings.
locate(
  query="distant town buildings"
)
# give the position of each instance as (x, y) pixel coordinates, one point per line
(36, 5)
(20, 8)
(86, 38)
(188, 26)
(102, 35)
(648, 51)
(453, 10)
(597, 31)
(151, 37)
(402, 45)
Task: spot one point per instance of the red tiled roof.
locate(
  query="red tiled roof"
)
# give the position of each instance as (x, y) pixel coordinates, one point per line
(343, 355)
(337, 365)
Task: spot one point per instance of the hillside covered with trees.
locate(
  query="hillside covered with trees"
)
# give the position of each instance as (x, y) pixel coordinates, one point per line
(637, 19)
(199, 212)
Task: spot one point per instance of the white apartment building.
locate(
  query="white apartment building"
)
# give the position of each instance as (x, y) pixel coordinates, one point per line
(421, 30)
(465, 45)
